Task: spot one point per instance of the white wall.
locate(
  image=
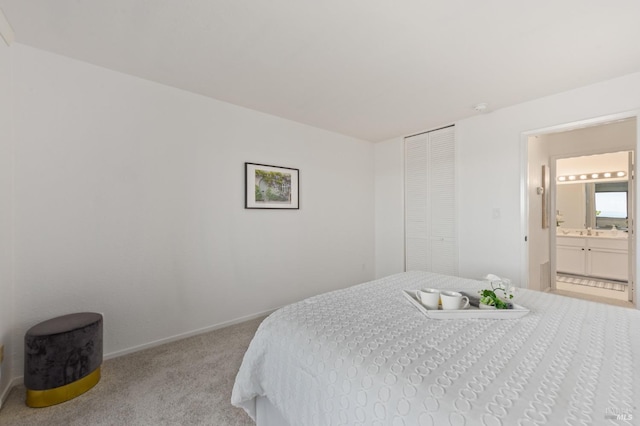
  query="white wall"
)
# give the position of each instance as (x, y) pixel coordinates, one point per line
(129, 200)
(6, 208)
(490, 169)
(389, 211)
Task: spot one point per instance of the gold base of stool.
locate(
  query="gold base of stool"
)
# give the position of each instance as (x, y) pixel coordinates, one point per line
(45, 398)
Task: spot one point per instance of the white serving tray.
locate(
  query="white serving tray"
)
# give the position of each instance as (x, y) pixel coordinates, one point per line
(471, 312)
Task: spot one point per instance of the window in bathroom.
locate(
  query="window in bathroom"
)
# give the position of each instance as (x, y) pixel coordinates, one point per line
(611, 204)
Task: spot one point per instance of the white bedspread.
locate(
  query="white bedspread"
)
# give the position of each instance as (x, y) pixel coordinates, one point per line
(366, 356)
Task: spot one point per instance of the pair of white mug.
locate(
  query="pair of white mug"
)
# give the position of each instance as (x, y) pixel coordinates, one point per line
(431, 297)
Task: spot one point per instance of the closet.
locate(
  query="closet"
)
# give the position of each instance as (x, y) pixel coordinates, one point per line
(431, 242)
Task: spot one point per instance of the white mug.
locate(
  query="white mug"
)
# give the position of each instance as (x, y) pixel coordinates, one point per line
(453, 300)
(429, 297)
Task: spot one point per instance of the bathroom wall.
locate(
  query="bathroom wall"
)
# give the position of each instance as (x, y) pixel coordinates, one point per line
(538, 236)
(583, 150)
(611, 137)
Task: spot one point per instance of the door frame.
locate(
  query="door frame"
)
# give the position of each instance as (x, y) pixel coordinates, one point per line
(524, 190)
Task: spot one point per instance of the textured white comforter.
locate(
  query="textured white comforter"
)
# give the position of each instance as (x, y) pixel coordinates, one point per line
(366, 356)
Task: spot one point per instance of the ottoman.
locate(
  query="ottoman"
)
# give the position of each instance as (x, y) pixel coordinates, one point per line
(62, 358)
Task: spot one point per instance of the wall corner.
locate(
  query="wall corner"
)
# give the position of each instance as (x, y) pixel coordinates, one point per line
(6, 31)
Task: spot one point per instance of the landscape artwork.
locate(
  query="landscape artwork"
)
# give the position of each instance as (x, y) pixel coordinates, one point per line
(271, 187)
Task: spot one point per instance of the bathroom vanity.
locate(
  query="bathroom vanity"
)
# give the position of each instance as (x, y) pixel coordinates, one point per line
(593, 256)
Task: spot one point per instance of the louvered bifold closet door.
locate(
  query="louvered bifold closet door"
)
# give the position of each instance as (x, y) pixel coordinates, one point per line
(430, 202)
(417, 220)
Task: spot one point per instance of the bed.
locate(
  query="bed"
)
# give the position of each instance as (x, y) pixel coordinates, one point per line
(365, 355)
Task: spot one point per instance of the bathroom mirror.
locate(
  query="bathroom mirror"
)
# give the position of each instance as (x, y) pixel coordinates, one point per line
(595, 205)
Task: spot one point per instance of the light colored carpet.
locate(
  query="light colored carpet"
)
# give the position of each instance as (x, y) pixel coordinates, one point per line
(187, 382)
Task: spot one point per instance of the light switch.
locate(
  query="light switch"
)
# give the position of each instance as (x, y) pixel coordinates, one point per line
(496, 213)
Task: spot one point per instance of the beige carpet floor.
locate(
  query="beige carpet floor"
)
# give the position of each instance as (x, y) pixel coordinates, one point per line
(187, 382)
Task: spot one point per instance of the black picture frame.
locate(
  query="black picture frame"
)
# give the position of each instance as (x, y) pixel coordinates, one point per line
(271, 187)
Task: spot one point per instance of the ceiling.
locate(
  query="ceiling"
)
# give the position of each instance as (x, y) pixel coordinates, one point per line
(371, 69)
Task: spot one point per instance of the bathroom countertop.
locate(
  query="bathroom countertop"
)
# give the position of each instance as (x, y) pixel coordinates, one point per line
(621, 235)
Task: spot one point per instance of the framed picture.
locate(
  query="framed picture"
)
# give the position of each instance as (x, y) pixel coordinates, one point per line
(270, 187)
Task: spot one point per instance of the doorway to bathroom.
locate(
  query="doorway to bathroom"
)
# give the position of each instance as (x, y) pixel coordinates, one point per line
(592, 217)
(580, 209)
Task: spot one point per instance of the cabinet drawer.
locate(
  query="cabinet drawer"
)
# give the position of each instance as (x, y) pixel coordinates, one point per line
(608, 243)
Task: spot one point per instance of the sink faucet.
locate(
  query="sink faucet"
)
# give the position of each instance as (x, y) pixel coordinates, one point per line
(589, 231)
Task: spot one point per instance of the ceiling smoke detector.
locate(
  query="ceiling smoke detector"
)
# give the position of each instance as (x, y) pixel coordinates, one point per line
(482, 107)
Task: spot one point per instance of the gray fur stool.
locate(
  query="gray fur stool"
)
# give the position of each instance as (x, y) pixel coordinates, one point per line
(62, 358)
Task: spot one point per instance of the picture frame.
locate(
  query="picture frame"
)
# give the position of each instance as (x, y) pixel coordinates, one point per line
(271, 187)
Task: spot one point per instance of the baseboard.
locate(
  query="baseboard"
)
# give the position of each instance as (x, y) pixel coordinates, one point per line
(19, 380)
(5, 392)
(187, 334)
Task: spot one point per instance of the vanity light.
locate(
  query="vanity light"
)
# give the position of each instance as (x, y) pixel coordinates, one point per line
(592, 176)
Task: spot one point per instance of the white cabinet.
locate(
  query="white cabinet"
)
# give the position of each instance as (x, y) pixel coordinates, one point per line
(593, 257)
(608, 258)
(571, 260)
